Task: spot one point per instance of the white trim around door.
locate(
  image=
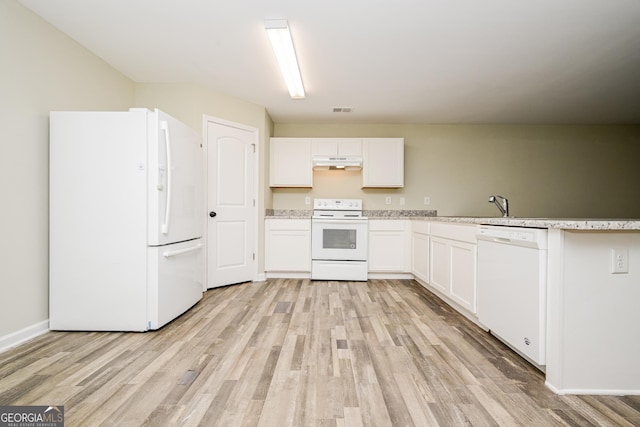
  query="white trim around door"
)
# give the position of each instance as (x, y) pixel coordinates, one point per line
(231, 165)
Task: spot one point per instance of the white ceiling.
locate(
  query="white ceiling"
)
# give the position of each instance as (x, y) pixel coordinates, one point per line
(392, 61)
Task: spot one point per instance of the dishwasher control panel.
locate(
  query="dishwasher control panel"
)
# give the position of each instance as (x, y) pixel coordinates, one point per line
(518, 236)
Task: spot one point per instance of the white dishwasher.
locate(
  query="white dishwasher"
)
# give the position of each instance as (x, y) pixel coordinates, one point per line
(512, 287)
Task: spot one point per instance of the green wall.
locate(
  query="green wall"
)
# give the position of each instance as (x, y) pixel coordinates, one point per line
(42, 70)
(544, 171)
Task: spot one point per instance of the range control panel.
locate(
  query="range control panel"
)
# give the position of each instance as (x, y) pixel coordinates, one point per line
(338, 204)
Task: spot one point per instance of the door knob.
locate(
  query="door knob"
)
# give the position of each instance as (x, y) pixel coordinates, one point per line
(212, 214)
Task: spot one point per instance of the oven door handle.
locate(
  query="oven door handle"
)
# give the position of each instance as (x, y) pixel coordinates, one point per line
(339, 221)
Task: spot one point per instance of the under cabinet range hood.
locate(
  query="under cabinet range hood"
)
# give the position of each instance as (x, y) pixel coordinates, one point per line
(337, 162)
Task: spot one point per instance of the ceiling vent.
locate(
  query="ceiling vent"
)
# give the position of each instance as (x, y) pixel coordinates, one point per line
(342, 109)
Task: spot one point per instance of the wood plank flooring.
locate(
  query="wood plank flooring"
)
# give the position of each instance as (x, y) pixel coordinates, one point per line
(299, 353)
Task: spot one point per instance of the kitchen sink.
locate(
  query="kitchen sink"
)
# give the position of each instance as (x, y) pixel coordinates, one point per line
(527, 217)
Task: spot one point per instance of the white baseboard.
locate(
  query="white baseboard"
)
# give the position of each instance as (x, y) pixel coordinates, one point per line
(591, 391)
(16, 338)
(287, 275)
(304, 275)
(398, 276)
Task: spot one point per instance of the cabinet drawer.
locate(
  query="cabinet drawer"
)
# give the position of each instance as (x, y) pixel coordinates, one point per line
(289, 224)
(460, 232)
(421, 227)
(387, 224)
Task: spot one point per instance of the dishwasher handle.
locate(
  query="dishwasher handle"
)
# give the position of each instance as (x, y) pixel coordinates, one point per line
(501, 240)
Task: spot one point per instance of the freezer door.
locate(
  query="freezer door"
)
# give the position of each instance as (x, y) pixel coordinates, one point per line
(98, 221)
(175, 180)
(176, 277)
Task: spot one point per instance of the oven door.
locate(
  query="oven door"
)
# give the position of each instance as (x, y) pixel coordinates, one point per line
(339, 239)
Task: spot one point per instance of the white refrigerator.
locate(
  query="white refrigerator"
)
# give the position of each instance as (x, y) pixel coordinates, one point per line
(125, 220)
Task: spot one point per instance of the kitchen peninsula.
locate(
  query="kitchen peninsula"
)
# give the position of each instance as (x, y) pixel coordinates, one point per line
(592, 320)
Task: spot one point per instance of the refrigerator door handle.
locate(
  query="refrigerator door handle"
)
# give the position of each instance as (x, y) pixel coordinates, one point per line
(169, 254)
(167, 214)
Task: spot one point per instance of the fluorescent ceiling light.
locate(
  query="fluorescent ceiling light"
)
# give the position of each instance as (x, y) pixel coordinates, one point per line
(278, 30)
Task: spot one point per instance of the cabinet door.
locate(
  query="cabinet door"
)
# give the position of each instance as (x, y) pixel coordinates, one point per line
(383, 162)
(440, 250)
(288, 245)
(336, 146)
(463, 274)
(389, 246)
(420, 256)
(324, 146)
(350, 146)
(453, 263)
(290, 162)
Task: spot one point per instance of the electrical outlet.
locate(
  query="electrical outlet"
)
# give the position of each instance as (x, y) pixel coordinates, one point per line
(619, 260)
(427, 200)
(402, 201)
(307, 200)
(387, 200)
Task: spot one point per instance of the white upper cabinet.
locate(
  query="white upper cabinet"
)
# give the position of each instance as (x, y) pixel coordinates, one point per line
(290, 162)
(383, 162)
(336, 146)
(291, 159)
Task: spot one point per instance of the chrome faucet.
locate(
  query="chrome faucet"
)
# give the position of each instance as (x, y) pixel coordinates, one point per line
(502, 204)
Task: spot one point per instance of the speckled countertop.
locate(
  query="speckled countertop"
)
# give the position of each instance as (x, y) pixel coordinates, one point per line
(399, 214)
(559, 223)
(372, 214)
(288, 213)
(611, 224)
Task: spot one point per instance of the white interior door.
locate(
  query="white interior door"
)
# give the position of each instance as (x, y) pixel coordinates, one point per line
(231, 191)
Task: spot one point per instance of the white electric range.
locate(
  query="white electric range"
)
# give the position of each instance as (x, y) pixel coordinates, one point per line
(338, 240)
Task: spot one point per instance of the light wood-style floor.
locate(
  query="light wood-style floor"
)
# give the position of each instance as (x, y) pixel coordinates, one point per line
(299, 353)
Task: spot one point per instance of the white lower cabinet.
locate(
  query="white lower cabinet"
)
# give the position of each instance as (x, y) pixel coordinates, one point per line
(420, 250)
(440, 271)
(463, 274)
(389, 246)
(453, 252)
(441, 255)
(287, 245)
